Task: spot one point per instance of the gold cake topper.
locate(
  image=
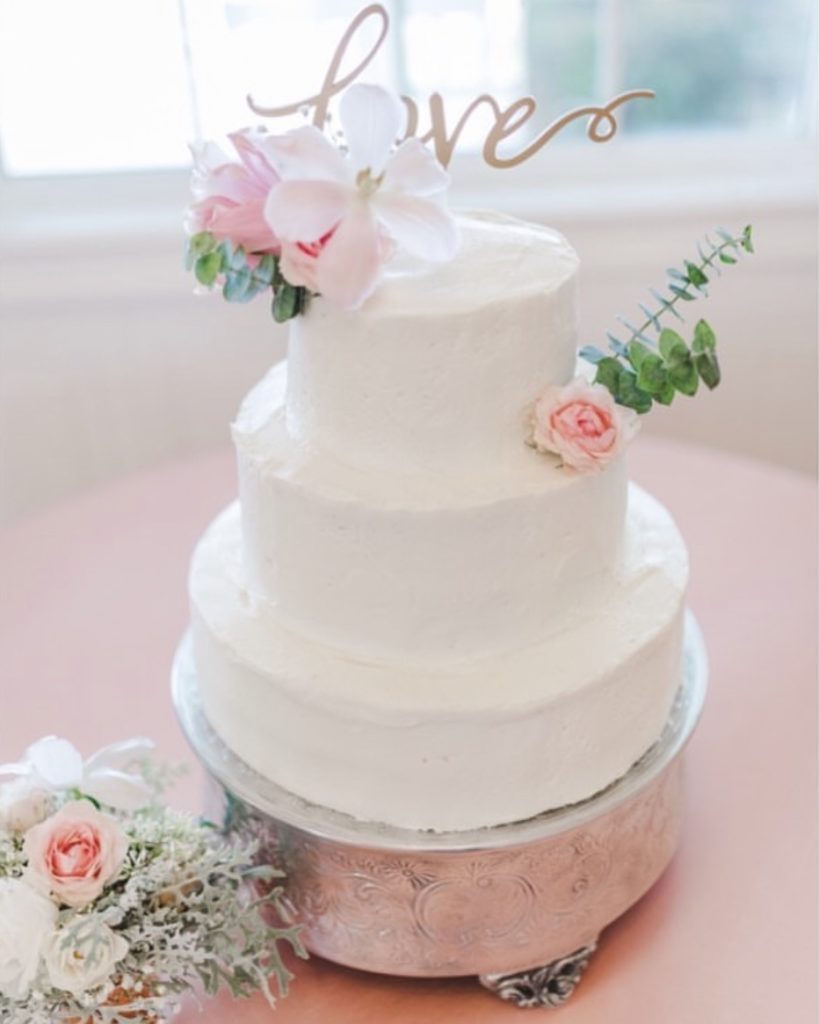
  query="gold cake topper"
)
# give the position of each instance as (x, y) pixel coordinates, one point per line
(602, 125)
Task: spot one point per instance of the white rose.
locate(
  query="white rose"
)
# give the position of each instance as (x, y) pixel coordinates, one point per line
(26, 924)
(80, 956)
(23, 803)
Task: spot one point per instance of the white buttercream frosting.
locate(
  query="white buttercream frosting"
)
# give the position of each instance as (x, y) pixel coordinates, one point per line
(492, 740)
(425, 567)
(414, 617)
(435, 372)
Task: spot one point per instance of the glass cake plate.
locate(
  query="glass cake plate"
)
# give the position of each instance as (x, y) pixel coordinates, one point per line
(520, 905)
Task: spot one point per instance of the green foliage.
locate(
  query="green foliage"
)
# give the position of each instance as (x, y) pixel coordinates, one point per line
(243, 276)
(642, 370)
(287, 302)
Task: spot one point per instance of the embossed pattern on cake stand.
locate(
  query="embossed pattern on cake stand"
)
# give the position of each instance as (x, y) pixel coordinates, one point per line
(519, 905)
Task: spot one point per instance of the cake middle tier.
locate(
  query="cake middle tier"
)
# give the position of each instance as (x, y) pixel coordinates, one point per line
(475, 744)
(419, 567)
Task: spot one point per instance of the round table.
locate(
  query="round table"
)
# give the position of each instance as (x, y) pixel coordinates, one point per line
(93, 601)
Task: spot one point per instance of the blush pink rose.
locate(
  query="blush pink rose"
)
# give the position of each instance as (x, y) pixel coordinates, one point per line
(74, 853)
(229, 197)
(582, 424)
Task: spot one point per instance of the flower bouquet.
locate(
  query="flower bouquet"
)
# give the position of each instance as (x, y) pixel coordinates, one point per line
(113, 906)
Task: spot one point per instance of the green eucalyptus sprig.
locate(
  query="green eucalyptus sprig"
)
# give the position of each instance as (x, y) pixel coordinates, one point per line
(241, 279)
(642, 370)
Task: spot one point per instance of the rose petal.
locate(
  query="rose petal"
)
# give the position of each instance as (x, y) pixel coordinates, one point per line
(413, 168)
(249, 145)
(56, 761)
(348, 268)
(418, 225)
(242, 223)
(303, 211)
(372, 118)
(305, 154)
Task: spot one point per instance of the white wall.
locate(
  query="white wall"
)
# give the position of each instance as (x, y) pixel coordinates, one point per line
(108, 363)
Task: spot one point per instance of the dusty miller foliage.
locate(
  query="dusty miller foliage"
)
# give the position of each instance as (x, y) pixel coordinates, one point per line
(187, 901)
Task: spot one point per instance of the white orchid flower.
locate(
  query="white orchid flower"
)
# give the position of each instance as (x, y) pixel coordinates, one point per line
(339, 217)
(57, 765)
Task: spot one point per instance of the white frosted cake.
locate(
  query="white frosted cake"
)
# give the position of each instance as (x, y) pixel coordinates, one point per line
(410, 615)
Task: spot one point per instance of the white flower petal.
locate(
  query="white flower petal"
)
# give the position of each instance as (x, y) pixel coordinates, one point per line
(305, 154)
(420, 226)
(118, 789)
(121, 755)
(304, 211)
(15, 770)
(348, 268)
(372, 119)
(56, 761)
(413, 168)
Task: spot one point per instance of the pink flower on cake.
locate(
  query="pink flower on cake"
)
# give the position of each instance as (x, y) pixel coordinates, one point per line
(230, 196)
(339, 218)
(581, 423)
(74, 853)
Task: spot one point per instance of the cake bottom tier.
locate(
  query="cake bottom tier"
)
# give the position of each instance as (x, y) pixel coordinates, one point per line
(448, 746)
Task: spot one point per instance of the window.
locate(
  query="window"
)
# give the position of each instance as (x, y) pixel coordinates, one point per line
(104, 85)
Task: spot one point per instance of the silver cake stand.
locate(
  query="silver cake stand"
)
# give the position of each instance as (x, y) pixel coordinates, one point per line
(519, 905)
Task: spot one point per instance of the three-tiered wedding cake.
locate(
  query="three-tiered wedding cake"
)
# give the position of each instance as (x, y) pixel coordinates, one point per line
(411, 615)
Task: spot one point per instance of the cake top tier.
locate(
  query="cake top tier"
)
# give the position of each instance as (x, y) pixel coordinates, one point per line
(438, 369)
(499, 258)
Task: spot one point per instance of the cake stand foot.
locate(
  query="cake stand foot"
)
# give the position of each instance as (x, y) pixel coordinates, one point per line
(550, 985)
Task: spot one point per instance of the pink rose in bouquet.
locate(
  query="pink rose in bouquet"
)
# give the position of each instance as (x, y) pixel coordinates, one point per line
(75, 853)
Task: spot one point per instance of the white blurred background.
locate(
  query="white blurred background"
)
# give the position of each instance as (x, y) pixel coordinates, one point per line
(109, 364)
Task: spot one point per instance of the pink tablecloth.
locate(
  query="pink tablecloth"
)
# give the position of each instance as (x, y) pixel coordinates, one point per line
(93, 600)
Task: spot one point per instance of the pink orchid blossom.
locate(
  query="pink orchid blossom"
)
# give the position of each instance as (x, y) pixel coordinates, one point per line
(340, 218)
(230, 196)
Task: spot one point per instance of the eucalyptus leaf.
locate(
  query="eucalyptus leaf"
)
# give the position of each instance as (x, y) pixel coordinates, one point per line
(695, 274)
(724, 257)
(652, 375)
(681, 293)
(684, 376)
(704, 338)
(238, 259)
(237, 286)
(286, 303)
(609, 371)
(265, 269)
(665, 395)
(591, 354)
(670, 342)
(652, 317)
(201, 243)
(617, 346)
(207, 268)
(727, 237)
(746, 241)
(707, 366)
(630, 395)
(637, 352)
